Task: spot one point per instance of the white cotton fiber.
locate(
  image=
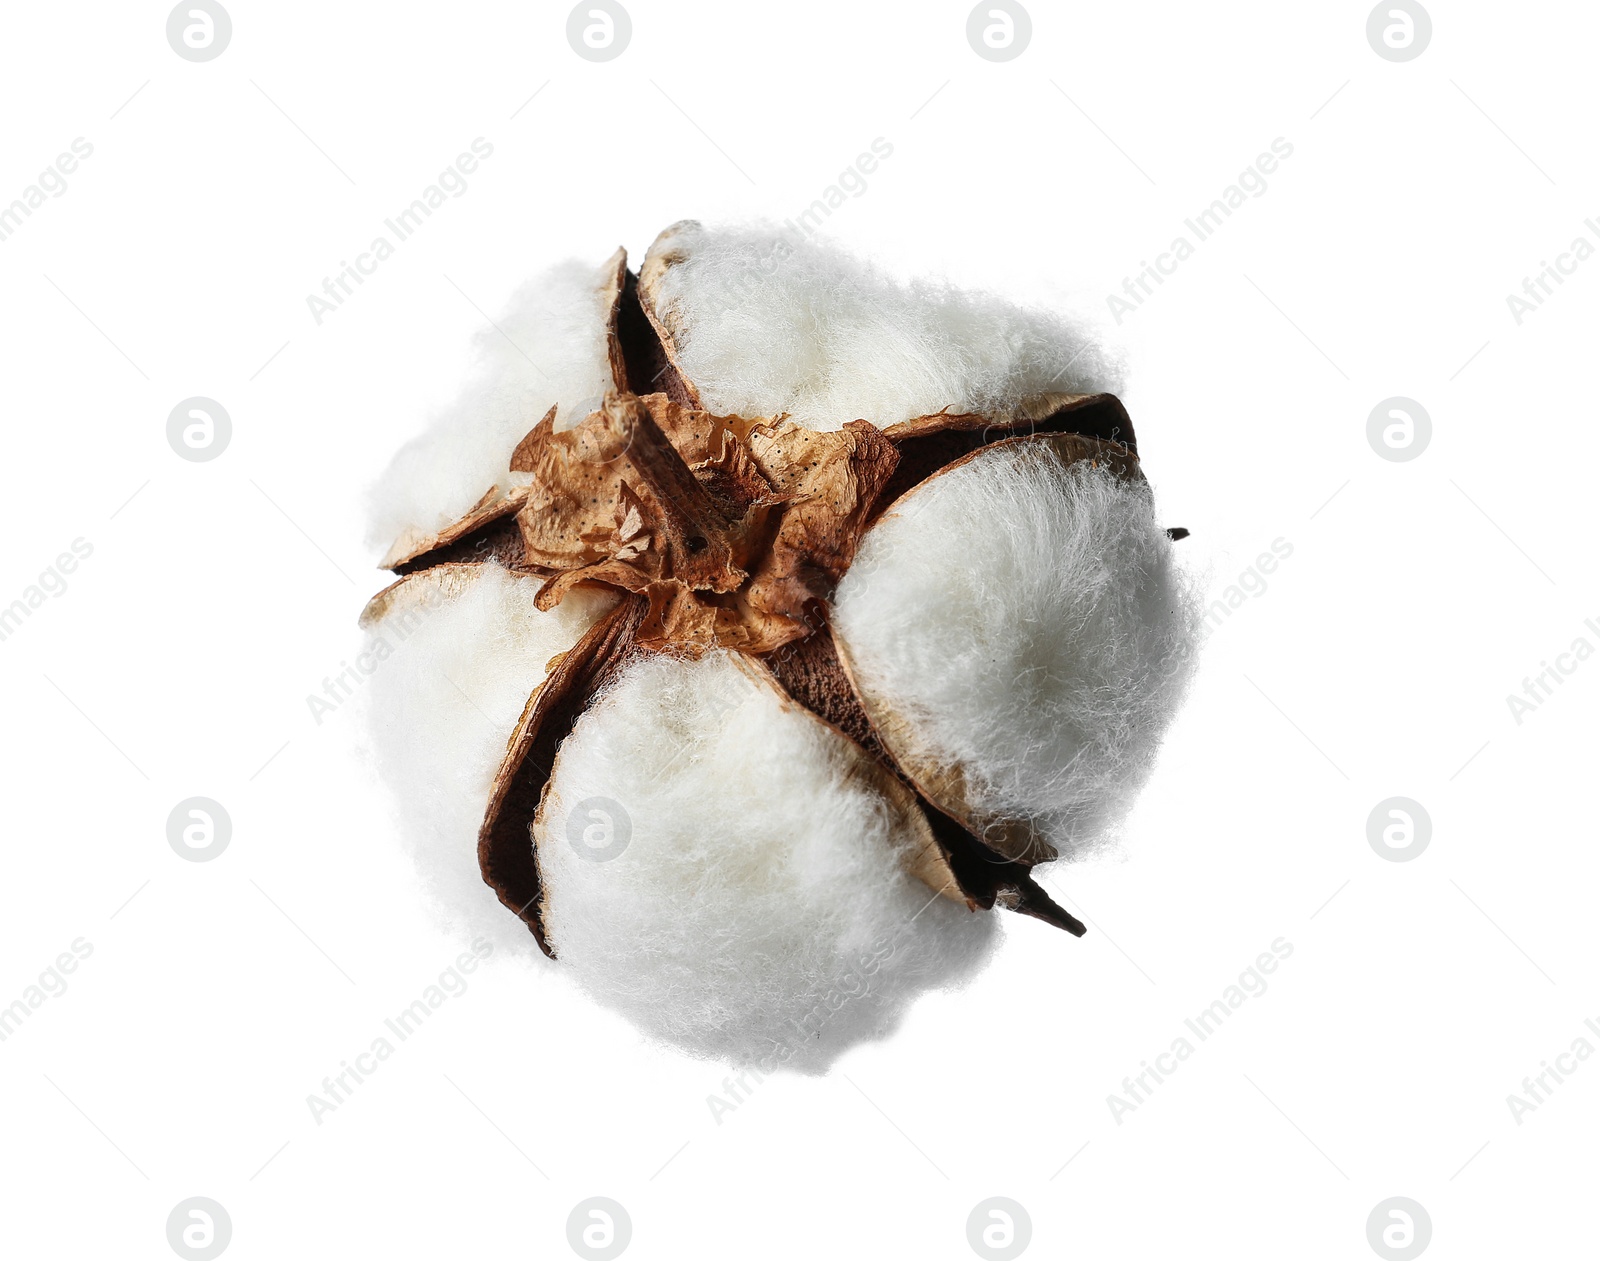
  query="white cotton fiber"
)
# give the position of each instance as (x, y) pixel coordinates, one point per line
(1029, 621)
(759, 911)
(767, 323)
(549, 348)
(450, 685)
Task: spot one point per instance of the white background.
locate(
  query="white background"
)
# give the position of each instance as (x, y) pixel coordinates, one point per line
(1376, 663)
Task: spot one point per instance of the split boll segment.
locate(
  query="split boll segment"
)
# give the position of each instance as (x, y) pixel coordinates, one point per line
(825, 687)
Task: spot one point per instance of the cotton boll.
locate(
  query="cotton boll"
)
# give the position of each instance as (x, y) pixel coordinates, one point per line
(1027, 620)
(549, 347)
(759, 910)
(716, 863)
(460, 656)
(767, 323)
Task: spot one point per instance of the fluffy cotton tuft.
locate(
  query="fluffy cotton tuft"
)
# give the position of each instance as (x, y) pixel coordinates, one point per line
(760, 910)
(1028, 620)
(549, 348)
(455, 665)
(769, 323)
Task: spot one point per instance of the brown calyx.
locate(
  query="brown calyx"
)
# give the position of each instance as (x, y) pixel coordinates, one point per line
(723, 532)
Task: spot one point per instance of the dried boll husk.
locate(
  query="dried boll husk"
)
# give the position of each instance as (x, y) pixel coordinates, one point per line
(724, 542)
